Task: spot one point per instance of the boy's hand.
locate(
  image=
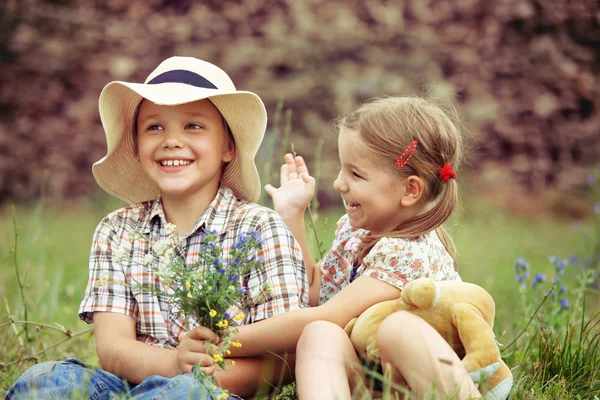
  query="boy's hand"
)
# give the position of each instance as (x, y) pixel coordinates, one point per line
(296, 190)
(193, 349)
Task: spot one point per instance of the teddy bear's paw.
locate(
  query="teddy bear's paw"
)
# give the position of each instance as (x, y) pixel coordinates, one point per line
(501, 391)
(482, 374)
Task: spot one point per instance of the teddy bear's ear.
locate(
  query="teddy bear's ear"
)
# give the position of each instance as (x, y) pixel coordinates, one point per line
(421, 293)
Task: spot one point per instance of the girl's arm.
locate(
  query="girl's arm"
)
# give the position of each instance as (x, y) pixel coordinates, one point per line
(281, 333)
(290, 200)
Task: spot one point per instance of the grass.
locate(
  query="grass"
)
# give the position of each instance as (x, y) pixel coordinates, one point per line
(53, 252)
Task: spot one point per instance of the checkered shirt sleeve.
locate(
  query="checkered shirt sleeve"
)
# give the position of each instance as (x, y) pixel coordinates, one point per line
(104, 292)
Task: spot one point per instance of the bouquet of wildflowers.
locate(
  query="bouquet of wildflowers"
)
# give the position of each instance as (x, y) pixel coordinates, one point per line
(207, 291)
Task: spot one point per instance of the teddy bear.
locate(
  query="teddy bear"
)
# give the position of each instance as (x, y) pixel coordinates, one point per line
(462, 313)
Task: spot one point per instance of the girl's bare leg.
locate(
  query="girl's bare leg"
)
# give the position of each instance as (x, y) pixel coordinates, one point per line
(326, 363)
(428, 364)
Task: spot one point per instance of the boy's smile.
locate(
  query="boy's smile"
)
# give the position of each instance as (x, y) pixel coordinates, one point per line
(182, 148)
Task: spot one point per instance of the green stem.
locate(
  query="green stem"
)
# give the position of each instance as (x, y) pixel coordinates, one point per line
(16, 263)
(532, 316)
(36, 355)
(314, 229)
(26, 323)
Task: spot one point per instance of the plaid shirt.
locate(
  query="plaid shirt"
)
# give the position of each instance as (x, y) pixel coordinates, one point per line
(158, 323)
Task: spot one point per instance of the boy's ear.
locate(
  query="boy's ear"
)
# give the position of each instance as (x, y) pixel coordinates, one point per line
(229, 151)
(413, 191)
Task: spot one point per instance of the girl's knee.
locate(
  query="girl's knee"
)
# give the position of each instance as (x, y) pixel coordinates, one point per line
(318, 332)
(397, 330)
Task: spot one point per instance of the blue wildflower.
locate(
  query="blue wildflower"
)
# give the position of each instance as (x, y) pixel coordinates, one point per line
(519, 278)
(216, 262)
(573, 259)
(554, 260)
(222, 271)
(218, 284)
(236, 262)
(562, 289)
(554, 278)
(520, 261)
(260, 260)
(258, 237)
(564, 304)
(526, 274)
(538, 278)
(523, 285)
(591, 180)
(227, 315)
(242, 290)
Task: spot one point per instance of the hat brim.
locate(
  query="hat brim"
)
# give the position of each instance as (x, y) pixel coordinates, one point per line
(121, 175)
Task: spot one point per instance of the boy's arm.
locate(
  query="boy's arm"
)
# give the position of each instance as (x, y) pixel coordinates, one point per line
(122, 355)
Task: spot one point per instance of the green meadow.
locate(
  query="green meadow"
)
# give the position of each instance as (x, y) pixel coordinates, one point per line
(53, 249)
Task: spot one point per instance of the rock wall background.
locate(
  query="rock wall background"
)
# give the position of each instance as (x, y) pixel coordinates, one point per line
(523, 73)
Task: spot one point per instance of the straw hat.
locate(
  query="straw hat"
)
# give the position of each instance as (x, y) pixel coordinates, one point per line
(178, 80)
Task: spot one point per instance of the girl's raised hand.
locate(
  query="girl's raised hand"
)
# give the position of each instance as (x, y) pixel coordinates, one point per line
(296, 188)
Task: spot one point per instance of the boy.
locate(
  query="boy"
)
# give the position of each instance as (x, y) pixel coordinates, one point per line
(181, 147)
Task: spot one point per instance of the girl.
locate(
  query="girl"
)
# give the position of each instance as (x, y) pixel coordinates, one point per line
(398, 184)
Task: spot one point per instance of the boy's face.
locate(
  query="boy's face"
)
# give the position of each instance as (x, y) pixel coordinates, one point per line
(182, 148)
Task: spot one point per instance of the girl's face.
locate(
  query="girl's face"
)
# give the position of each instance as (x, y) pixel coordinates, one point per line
(372, 194)
(182, 148)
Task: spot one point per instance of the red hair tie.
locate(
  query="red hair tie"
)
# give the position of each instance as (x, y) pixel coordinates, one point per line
(447, 172)
(410, 150)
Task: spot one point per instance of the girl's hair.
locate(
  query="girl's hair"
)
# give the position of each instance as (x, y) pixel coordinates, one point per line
(387, 127)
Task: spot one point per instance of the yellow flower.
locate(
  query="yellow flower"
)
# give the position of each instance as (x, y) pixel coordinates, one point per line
(236, 344)
(189, 295)
(217, 357)
(188, 284)
(228, 352)
(239, 317)
(212, 313)
(223, 396)
(232, 362)
(222, 323)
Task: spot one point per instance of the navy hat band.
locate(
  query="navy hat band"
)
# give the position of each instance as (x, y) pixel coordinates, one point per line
(182, 76)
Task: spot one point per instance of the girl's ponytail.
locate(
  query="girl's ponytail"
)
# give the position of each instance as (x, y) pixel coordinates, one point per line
(421, 224)
(413, 136)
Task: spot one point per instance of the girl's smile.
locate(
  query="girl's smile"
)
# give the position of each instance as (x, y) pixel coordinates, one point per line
(372, 194)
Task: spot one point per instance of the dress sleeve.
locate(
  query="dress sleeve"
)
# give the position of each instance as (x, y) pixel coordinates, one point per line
(282, 284)
(105, 289)
(395, 261)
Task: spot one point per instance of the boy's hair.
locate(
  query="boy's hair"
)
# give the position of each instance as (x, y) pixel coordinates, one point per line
(387, 127)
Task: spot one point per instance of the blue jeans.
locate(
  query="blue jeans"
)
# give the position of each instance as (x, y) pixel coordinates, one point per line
(71, 379)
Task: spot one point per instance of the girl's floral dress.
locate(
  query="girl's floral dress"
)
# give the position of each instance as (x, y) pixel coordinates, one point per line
(393, 260)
